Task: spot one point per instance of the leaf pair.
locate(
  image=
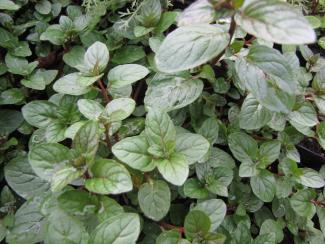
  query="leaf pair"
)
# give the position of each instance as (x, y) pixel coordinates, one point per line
(159, 146)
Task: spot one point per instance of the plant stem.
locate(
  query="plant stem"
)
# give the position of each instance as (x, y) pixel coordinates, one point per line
(318, 203)
(103, 91)
(167, 226)
(231, 32)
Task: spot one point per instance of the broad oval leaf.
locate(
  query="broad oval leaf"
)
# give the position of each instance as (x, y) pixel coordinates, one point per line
(29, 223)
(311, 178)
(175, 169)
(96, 58)
(22, 179)
(126, 74)
(173, 92)
(90, 109)
(264, 186)
(119, 109)
(190, 46)
(199, 12)
(109, 177)
(69, 84)
(63, 228)
(134, 152)
(216, 209)
(40, 113)
(196, 223)
(46, 158)
(154, 199)
(253, 115)
(120, 229)
(193, 146)
(159, 128)
(10, 120)
(275, 21)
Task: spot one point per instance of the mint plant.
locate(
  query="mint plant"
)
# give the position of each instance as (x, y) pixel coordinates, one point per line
(157, 121)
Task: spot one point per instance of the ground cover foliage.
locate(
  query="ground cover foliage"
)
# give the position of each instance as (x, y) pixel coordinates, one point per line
(168, 122)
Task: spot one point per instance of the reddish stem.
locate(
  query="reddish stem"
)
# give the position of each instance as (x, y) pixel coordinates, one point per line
(103, 91)
(318, 203)
(167, 226)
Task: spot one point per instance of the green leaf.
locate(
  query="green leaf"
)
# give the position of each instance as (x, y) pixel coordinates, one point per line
(275, 21)
(12, 96)
(126, 74)
(166, 20)
(10, 120)
(172, 237)
(274, 64)
(271, 226)
(216, 209)
(154, 199)
(305, 115)
(193, 188)
(8, 5)
(175, 169)
(321, 42)
(43, 7)
(253, 115)
(218, 180)
(119, 109)
(39, 79)
(29, 223)
(22, 179)
(243, 147)
(196, 224)
(321, 217)
(150, 12)
(193, 146)
(269, 152)
(63, 177)
(55, 132)
(109, 208)
(190, 46)
(321, 134)
(268, 238)
(173, 92)
(47, 158)
(159, 128)
(75, 56)
(109, 177)
(63, 228)
(72, 84)
(128, 54)
(119, 229)
(209, 129)
(264, 185)
(40, 113)
(301, 203)
(199, 12)
(90, 109)
(54, 34)
(133, 152)
(86, 140)
(78, 202)
(96, 58)
(19, 66)
(311, 178)
(253, 78)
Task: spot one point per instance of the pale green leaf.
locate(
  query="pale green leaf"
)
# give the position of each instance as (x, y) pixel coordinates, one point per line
(109, 177)
(190, 46)
(154, 199)
(275, 21)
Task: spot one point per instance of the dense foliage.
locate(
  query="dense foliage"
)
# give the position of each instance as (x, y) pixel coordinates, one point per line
(168, 122)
